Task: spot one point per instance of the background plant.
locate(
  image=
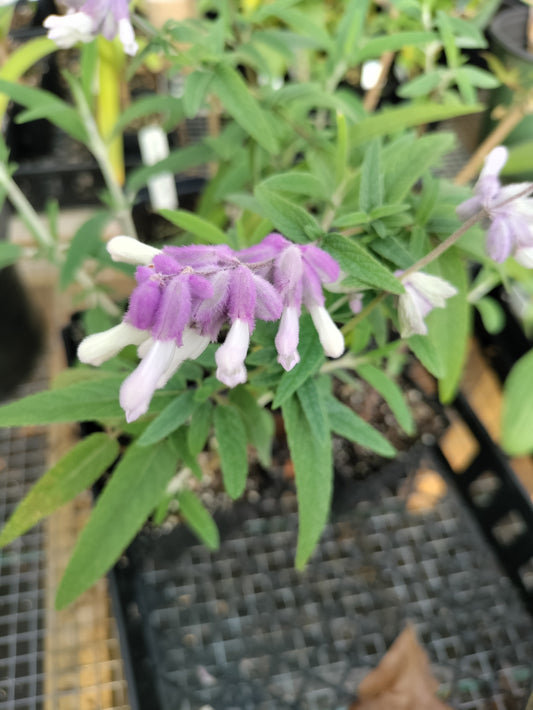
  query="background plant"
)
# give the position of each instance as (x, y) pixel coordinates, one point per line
(297, 152)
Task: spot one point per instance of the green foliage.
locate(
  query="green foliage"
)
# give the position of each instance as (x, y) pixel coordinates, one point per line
(517, 413)
(231, 437)
(310, 447)
(198, 519)
(133, 491)
(9, 254)
(71, 475)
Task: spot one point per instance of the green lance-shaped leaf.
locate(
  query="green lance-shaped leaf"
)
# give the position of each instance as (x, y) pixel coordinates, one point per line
(171, 418)
(134, 489)
(199, 427)
(449, 327)
(258, 422)
(200, 227)
(232, 440)
(71, 475)
(517, 415)
(391, 393)
(198, 519)
(196, 87)
(89, 400)
(356, 261)
(311, 358)
(346, 423)
(290, 219)
(43, 104)
(236, 98)
(394, 120)
(22, 59)
(371, 188)
(313, 466)
(83, 244)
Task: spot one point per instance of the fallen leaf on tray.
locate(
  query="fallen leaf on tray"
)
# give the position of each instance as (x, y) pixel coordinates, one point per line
(402, 681)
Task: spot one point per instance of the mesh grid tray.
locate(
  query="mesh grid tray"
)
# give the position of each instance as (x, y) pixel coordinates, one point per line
(240, 629)
(22, 571)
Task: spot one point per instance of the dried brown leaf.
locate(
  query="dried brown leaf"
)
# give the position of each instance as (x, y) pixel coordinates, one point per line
(402, 681)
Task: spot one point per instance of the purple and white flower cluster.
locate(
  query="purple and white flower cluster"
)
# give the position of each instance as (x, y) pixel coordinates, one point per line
(84, 20)
(509, 215)
(185, 295)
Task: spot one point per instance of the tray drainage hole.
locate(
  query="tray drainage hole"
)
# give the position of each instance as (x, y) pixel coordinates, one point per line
(526, 575)
(509, 528)
(483, 489)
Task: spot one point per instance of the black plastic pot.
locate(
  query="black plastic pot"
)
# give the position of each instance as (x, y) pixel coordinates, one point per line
(21, 328)
(241, 629)
(508, 41)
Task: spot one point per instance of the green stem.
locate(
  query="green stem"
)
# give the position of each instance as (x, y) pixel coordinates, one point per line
(99, 149)
(27, 213)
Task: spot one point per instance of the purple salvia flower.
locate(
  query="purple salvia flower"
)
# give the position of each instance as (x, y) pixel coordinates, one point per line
(508, 216)
(109, 18)
(138, 389)
(423, 292)
(230, 356)
(287, 338)
(99, 347)
(131, 251)
(211, 313)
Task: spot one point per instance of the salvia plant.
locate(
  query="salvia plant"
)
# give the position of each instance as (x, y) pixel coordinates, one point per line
(324, 247)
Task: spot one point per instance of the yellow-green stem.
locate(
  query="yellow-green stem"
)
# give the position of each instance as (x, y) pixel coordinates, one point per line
(111, 62)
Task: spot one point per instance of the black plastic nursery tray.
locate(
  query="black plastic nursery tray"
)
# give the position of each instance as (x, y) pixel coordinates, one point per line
(241, 629)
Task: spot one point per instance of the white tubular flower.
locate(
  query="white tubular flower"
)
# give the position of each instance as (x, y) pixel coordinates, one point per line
(127, 36)
(287, 338)
(524, 256)
(231, 354)
(423, 292)
(138, 389)
(131, 251)
(67, 30)
(193, 346)
(99, 347)
(331, 338)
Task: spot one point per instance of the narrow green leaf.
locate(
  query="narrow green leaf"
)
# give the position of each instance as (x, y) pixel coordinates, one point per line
(492, 314)
(196, 87)
(356, 261)
(352, 219)
(180, 444)
(311, 358)
(258, 422)
(421, 85)
(517, 414)
(290, 219)
(371, 187)
(349, 30)
(346, 423)
(169, 109)
(177, 161)
(394, 120)
(236, 98)
(190, 222)
(172, 417)
(231, 437)
(375, 47)
(9, 254)
(198, 519)
(23, 58)
(44, 104)
(342, 152)
(391, 393)
(71, 475)
(89, 400)
(199, 427)
(134, 490)
(449, 327)
(297, 182)
(426, 352)
(84, 243)
(313, 467)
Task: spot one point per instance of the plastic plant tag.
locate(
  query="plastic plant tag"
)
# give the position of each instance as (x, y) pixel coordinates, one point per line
(153, 143)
